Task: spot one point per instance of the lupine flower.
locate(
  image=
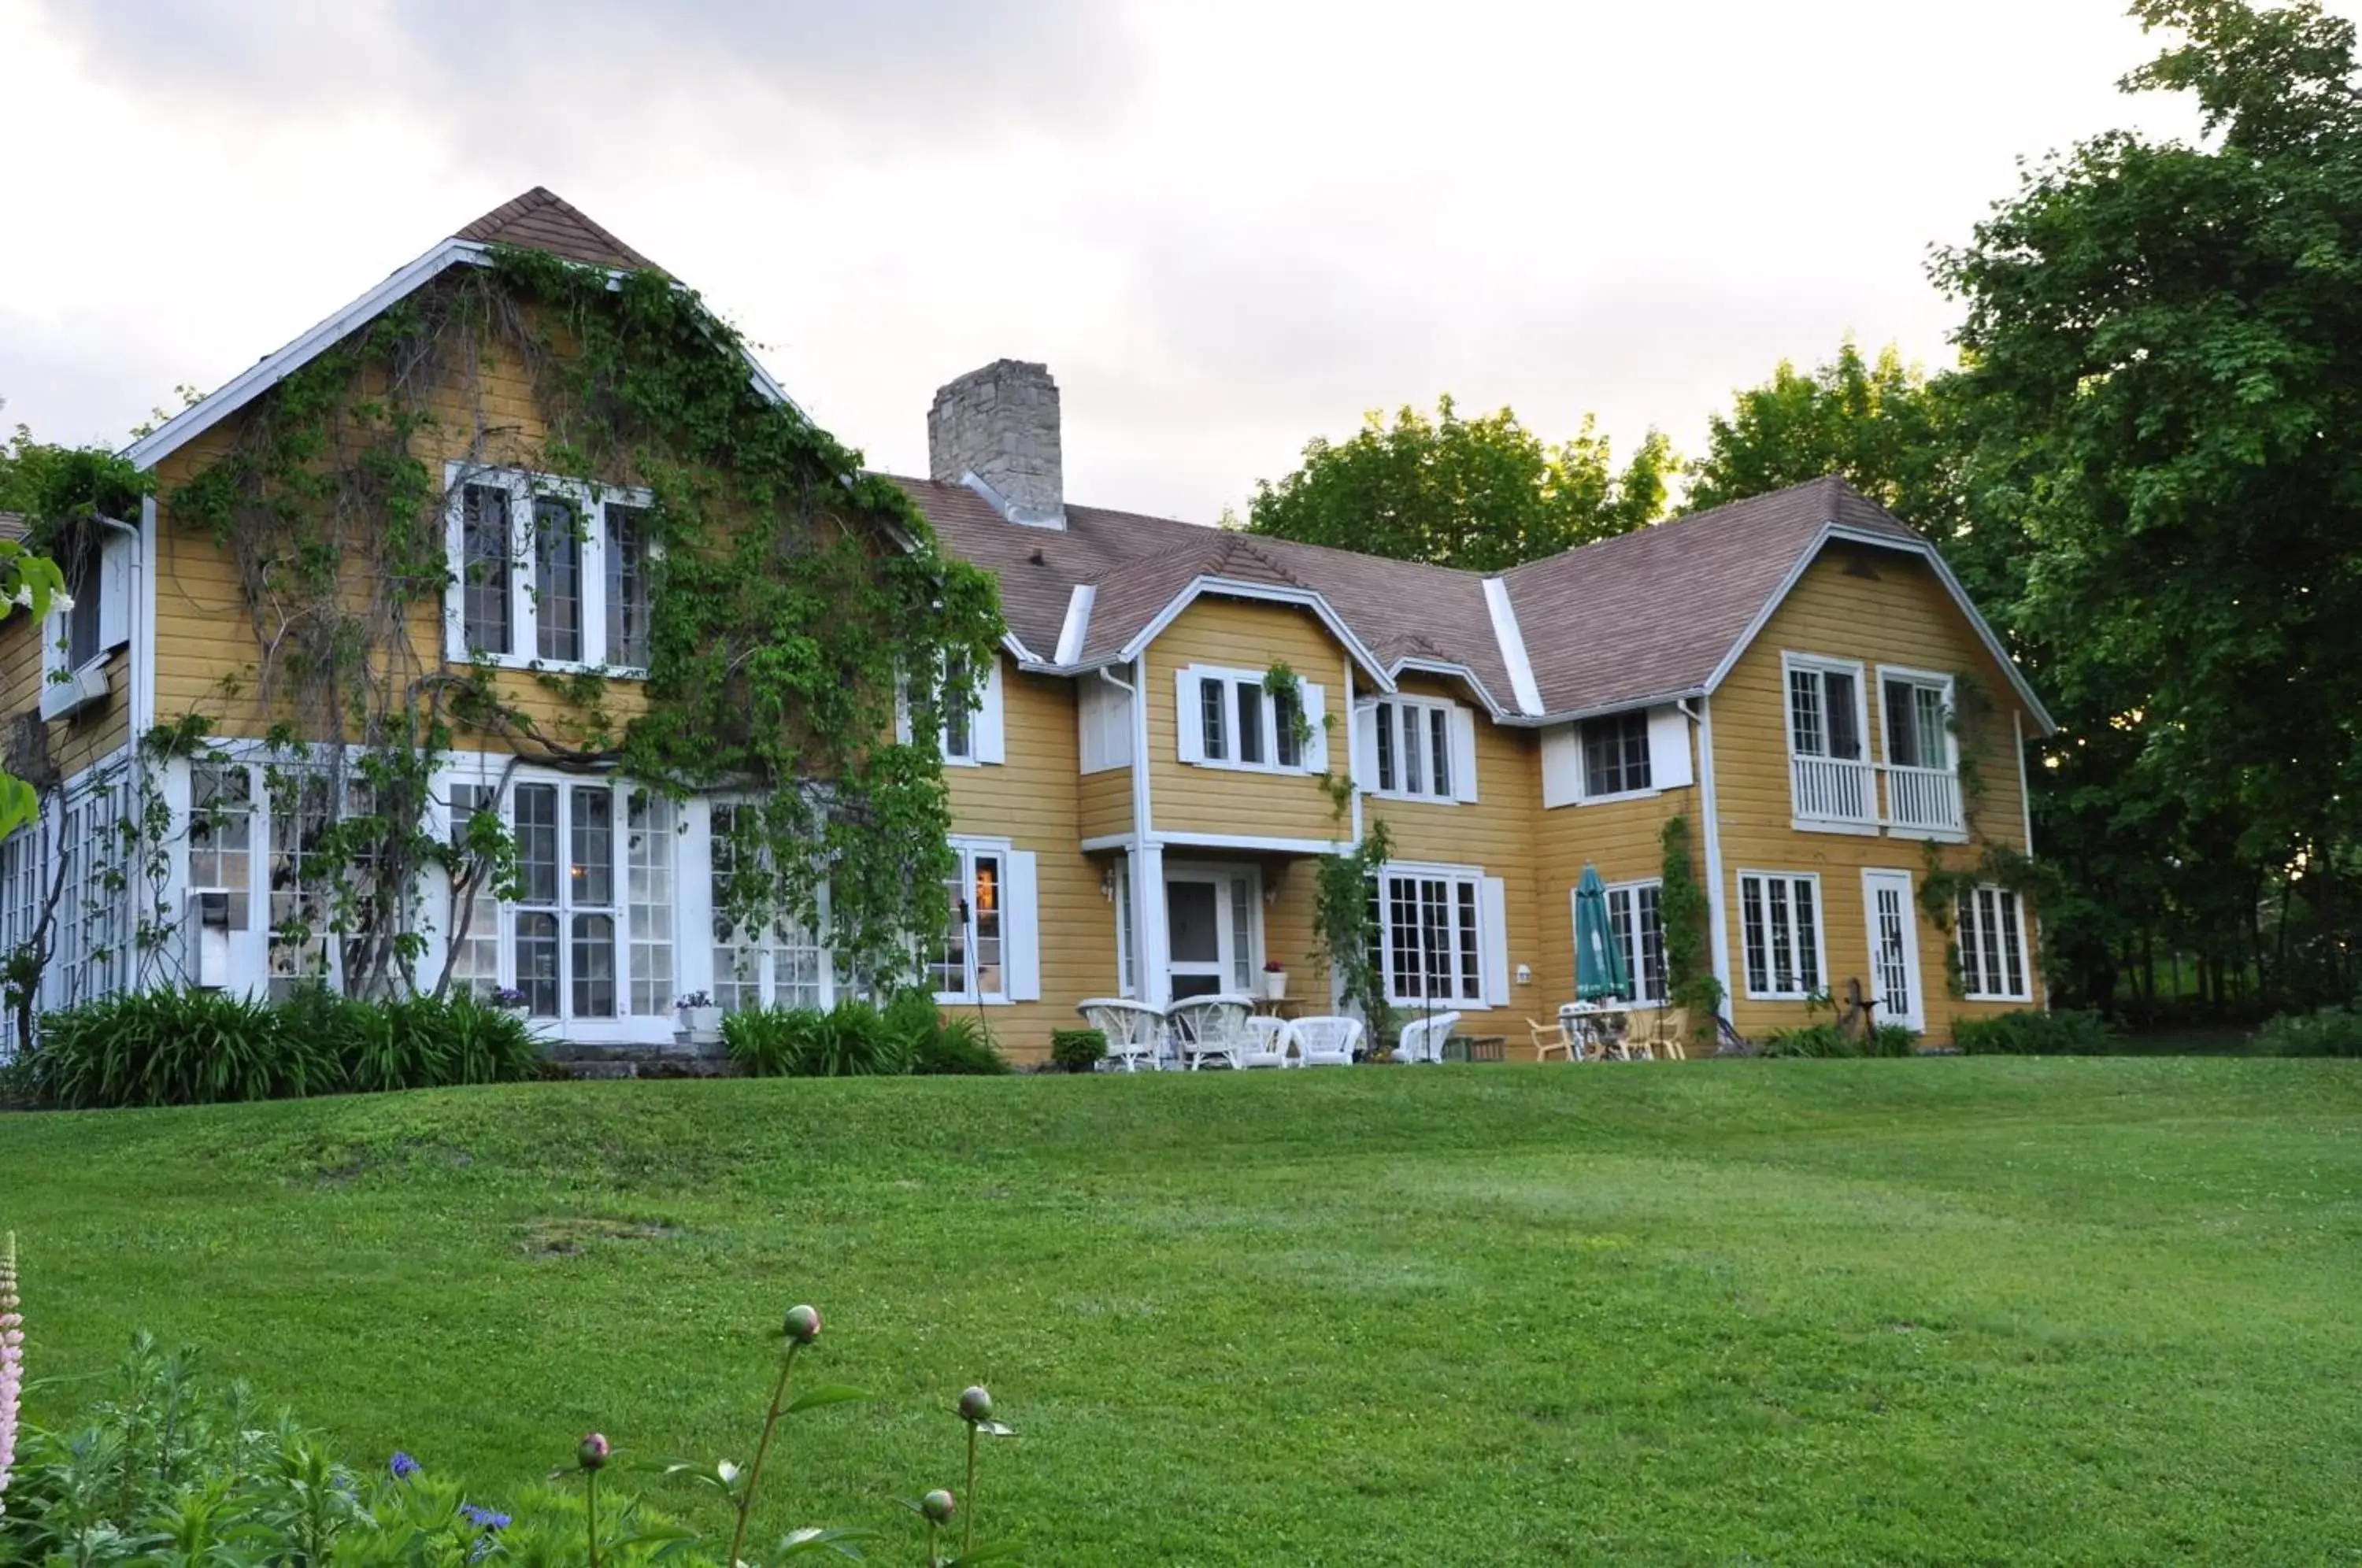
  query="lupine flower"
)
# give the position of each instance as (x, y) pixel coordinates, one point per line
(404, 1466)
(484, 1518)
(939, 1506)
(592, 1451)
(803, 1324)
(975, 1404)
(12, 1362)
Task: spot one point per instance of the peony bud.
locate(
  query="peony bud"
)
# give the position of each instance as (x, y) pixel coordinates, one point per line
(938, 1506)
(803, 1324)
(975, 1404)
(593, 1452)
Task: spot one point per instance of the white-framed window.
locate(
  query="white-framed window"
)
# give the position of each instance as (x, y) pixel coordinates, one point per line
(94, 913)
(1439, 936)
(970, 709)
(1616, 755)
(588, 936)
(94, 620)
(548, 572)
(221, 835)
(1780, 921)
(1991, 931)
(649, 831)
(1225, 718)
(781, 967)
(1418, 749)
(1915, 711)
(1635, 926)
(476, 951)
(1825, 716)
(972, 962)
(1127, 980)
(303, 871)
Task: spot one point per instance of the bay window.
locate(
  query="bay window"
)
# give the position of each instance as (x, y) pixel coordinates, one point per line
(547, 572)
(1991, 931)
(1781, 922)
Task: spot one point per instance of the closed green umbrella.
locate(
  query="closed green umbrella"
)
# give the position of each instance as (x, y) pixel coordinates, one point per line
(1599, 959)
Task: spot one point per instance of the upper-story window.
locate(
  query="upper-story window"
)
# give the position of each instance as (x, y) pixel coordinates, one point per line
(1829, 776)
(969, 710)
(1616, 755)
(1918, 713)
(1419, 749)
(548, 572)
(1233, 718)
(91, 620)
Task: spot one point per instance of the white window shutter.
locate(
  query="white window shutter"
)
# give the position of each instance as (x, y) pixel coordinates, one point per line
(1021, 915)
(1187, 720)
(1464, 754)
(115, 591)
(1561, 766)
(1365, 744)
(1669, 748)
(1493, 939)
(992, 744)
(1316, 713)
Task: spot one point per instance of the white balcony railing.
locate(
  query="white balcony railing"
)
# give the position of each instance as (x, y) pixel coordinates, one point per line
(1839, 792)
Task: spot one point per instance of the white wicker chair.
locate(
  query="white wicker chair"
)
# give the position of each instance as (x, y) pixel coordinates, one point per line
(1270, 1042)
(1134, 1031)
(1211, 1026)
(1327, 1041)
(1422, 1041)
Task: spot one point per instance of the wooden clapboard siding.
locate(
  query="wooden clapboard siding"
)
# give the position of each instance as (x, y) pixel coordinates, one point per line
(1250, 635)
(1903, 616)
(1103, 801)
(1030, 799)
(1493, 833)
(80, 739)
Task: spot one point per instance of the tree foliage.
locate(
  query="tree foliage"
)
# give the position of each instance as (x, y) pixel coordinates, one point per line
(1482, 494)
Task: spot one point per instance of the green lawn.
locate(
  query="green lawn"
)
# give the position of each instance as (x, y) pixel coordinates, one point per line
(1967, 1310)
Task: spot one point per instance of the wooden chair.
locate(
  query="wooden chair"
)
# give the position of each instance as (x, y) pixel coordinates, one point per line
(1550, 1037)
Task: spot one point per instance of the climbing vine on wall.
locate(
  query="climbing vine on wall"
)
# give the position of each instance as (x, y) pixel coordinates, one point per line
(1942, 886)
(793, 596)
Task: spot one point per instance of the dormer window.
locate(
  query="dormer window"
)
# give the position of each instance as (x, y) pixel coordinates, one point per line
(548, 572)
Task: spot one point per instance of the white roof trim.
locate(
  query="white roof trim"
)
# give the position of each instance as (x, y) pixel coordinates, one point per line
(1458, 671)
(1231, 587)
(1506, 633)
(1880, 539)
(1078, 625)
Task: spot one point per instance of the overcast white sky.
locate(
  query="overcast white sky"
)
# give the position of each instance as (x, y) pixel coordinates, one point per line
(1226, 226)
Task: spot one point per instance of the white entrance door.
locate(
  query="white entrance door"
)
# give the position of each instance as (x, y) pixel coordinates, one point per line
(1213, 943)
(1893, 948)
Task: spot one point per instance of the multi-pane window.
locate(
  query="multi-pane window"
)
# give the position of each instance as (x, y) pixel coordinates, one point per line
(535, 808)
(782, 967)
(1127, 983)
(485, 555)
(1824, 711)
(476, 924)
(1781, 922)
(647, 866)
(591, 886)
(1213, 716)
(1991, 923)
(1429, 942)
(221, 835)
(303, 876)
(959, 722)
(1414, 748)
(1918, 727)
(96, 949)
(1236, 720)
(629, 588)
(584, 943)
(548, 571)
(969, 966)
(1633, 923)
(1615, 754)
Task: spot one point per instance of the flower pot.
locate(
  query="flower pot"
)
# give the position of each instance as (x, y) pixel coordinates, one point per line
(1274, 985)
(701, 1025)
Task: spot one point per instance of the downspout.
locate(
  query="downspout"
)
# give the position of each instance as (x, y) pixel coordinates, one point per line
(1719, 939)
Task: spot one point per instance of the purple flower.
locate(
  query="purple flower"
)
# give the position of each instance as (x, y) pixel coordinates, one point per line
(592, 1453)
(11, 1361)
(402, 1465)
(484, 1518)
(975, 1404)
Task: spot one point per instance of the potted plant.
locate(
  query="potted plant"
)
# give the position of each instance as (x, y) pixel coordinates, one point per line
(701, 1021)
(1275, 980)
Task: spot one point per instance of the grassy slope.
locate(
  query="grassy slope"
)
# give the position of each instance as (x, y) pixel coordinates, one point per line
(1957, 1311)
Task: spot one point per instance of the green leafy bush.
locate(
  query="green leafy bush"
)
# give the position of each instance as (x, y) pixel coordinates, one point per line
(193, 1048)
(1078, 1050)
(851, 1039)
(1809, 1040)
(957, 1047)
(1893, 1040)
(2331, 1032)
(2063, 1033)
(768, 1042)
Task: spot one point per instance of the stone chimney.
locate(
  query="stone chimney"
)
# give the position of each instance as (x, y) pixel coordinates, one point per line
(997, 430)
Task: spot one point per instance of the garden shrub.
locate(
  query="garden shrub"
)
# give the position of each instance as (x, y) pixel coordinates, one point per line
(2330, 1032)
(193, 1048)
(767, 1041)
(957, 1047)
(1893, 1040)
(1078, 1050)
(2063, 1033)
(855, 1039)
(1823, 1039)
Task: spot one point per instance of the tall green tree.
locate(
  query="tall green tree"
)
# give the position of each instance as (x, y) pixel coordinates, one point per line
(2163, 372)
(1482, 494)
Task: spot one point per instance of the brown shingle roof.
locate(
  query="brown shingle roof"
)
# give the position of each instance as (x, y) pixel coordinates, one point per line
(543, 220)
(1647, 614)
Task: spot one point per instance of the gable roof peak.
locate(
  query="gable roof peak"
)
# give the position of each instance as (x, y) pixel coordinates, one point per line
(543, 220)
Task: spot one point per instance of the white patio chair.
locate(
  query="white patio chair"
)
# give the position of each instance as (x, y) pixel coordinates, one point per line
(1210, 1026)
(1327, 1041)
(1422, 1040)
(1134, 1031)
(1271, 1041)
